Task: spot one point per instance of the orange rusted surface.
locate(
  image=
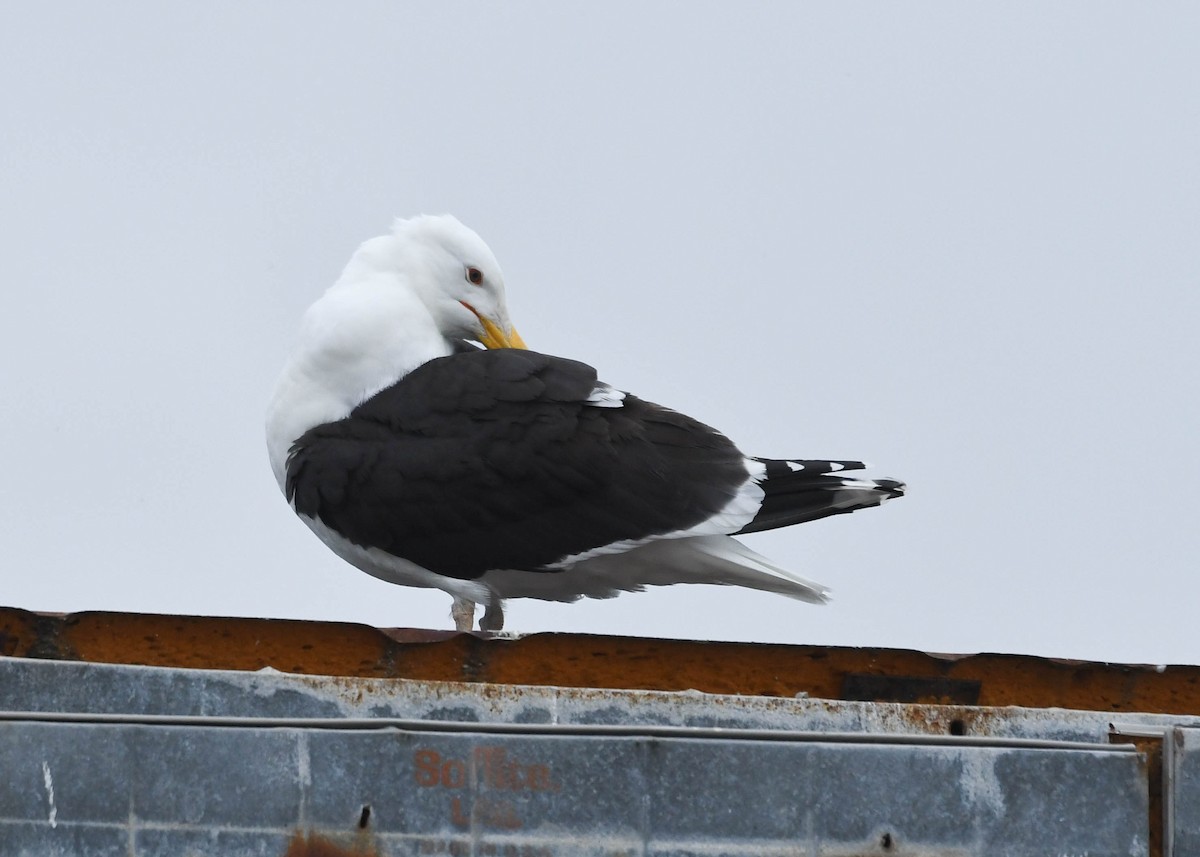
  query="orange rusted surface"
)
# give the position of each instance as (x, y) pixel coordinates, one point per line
(305, 844)
(576, 660)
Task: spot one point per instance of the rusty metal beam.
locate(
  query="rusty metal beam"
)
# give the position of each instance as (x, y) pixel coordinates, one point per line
(577, 660)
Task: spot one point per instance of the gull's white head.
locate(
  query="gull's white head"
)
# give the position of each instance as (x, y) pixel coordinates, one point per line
(450, 269)
(403, 299)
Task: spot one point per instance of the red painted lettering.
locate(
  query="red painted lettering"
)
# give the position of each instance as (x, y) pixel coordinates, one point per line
(454, 774)
(457, 817)
(428, 767)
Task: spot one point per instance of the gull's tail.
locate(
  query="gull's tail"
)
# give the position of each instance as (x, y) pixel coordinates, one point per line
(800, 490)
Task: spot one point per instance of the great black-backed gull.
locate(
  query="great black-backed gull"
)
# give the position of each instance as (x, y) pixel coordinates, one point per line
(499, 472)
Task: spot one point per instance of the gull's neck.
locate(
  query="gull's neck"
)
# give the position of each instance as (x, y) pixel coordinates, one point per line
(358, 339)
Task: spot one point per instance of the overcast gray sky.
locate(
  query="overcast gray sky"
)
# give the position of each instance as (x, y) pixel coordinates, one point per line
(957, 240)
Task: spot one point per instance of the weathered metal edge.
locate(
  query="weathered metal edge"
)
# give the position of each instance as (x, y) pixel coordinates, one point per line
(589, 661)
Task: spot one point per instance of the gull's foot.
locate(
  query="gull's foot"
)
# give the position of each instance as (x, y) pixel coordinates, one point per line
(493, 617)
(462, 612)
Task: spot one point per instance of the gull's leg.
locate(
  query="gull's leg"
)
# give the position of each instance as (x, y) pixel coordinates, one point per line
(463, 613)
(493, 616)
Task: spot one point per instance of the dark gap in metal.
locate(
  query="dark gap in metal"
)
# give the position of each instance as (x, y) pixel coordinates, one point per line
(1149, 742)
(936, 690)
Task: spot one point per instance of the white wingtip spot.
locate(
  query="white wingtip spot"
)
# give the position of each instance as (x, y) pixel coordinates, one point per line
(834, 467)
(794, 466)
(605, 396)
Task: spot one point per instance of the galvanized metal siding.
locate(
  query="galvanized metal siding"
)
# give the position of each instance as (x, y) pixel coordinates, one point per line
(162, 790)
(146, 761)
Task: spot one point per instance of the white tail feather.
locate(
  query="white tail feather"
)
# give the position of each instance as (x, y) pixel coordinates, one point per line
(701, 559)
(730, 562)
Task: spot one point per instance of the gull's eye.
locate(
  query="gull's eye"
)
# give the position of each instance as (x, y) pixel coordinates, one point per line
(474, 275)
